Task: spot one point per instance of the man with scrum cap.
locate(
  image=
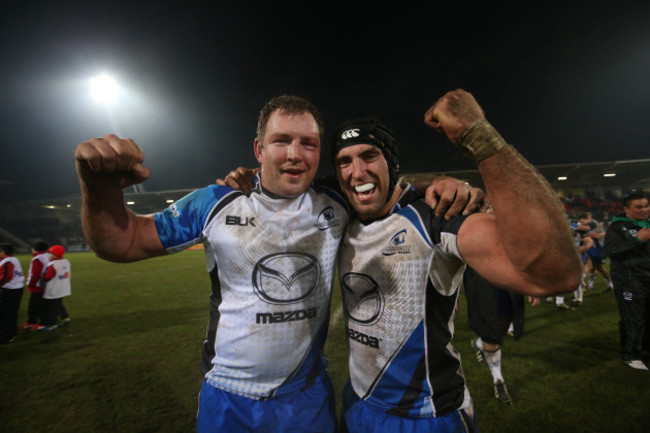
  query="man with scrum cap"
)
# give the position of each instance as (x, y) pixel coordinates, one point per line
(400, 267)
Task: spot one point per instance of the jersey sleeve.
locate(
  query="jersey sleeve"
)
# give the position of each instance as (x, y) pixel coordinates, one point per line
(6, 272)
(447, 234)
(36, 269)
(181, 224)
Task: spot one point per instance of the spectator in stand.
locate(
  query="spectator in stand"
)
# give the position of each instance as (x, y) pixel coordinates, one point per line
(12, 282)
(57, 286)
(37, 268)
(627, 243)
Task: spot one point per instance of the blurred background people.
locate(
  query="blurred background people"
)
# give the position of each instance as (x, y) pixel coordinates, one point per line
(37, 266)
(12, 282)
(57, 286)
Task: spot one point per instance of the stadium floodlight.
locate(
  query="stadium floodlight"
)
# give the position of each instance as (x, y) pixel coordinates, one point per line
(562, 178)
(609, 175)
(103, 89)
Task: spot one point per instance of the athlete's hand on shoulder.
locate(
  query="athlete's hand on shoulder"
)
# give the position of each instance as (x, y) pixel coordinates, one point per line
(241, 178)
(453, 113)
(110, 161)
(450, 197)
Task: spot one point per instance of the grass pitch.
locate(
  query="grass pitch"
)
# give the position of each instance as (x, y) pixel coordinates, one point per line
(128, 361)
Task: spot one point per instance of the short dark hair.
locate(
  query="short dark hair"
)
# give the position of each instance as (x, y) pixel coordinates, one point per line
(287, 104)
(7, 248)
(40, 246)
(631, 197)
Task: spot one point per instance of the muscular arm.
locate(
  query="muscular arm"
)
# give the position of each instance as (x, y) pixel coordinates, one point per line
(526, 245)
(105, 167)
(447, 195)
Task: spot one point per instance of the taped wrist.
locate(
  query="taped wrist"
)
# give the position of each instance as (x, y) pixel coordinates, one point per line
(480, 141)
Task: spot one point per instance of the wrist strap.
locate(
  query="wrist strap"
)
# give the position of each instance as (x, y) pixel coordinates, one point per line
(480, 140)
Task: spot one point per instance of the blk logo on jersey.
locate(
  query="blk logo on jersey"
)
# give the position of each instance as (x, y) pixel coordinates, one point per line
(286, 278)
(362, 298)
(233, 220)
(396, 244)
(326, 219)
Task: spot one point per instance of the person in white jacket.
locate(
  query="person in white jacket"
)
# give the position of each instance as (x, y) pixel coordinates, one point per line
(57, 286)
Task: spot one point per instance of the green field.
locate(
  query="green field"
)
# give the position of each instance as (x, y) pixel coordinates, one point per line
(128, 361)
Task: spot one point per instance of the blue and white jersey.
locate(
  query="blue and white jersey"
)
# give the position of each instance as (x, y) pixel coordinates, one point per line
(271, 262)
(400, 279)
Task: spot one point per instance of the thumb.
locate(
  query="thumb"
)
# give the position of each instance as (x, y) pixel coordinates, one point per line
(140, 172)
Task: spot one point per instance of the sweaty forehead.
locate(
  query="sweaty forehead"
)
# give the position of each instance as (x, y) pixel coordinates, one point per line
(292, 123)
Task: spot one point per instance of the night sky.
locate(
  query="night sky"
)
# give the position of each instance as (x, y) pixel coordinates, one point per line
(564, 84)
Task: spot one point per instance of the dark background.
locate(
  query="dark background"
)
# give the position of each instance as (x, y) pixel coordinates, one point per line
(564, 83)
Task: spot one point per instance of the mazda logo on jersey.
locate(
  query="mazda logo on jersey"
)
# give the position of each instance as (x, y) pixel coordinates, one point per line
(285, 278)
(362, 298)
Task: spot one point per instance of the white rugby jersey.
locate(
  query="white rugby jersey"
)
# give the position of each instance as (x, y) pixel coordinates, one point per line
(271, 262)
(400, 279)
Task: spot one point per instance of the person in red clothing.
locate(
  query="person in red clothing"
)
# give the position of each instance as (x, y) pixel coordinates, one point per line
(37, 268)
(57, 286)
(12, 282)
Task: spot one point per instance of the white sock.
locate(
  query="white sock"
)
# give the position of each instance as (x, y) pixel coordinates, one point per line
(592, 278)
(479, 343)
(494, 362)
(577, 294)
(559, 300)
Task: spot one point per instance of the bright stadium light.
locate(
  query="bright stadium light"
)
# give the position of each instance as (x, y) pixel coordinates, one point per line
(609, 175)
(103, 89)
(562, 178)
